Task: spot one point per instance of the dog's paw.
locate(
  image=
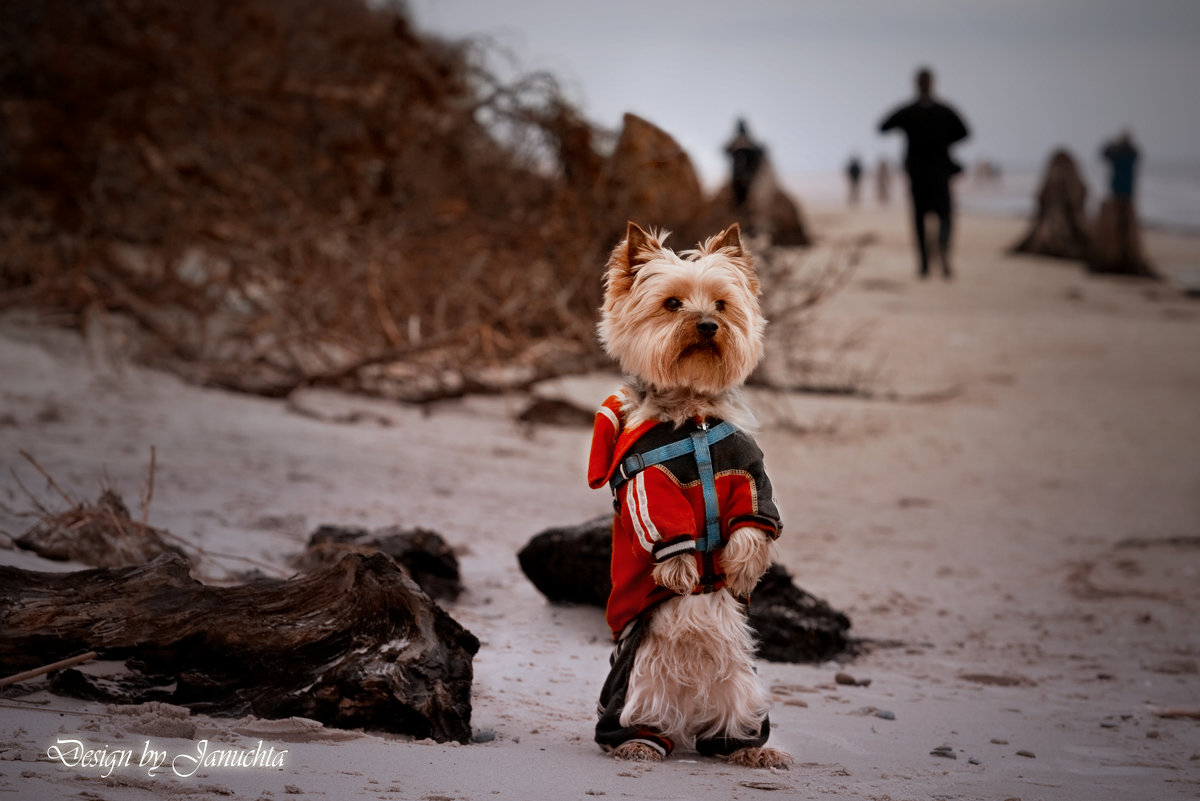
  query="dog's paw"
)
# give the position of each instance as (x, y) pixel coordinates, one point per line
(761, 758)
(746, 557)
(678, 574)
(636, 752)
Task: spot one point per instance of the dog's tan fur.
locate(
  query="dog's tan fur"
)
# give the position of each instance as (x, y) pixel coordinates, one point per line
(693, 676)
(678, 373)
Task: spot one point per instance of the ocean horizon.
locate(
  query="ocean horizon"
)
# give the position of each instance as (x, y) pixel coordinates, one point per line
(1167, 196)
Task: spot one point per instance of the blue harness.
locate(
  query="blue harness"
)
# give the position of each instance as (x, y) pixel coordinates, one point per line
(700, 443)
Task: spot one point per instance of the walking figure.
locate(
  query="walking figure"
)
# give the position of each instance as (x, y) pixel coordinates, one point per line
(854, 173)
(930, 127)
(747, 157)
(883, 182)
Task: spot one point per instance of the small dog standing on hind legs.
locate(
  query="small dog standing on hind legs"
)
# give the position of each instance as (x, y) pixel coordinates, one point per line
(696, 519)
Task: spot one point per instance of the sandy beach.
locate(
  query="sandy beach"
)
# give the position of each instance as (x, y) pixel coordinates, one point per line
(1011, 521)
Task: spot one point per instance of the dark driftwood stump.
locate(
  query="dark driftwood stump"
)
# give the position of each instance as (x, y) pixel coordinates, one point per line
(1117, 241)
(1059, 227)
(571, 565)
(794, 625)
(355, 644)
(101, 535)
(425, 554)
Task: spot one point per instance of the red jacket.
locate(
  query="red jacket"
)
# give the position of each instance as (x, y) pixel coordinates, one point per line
(660, 510)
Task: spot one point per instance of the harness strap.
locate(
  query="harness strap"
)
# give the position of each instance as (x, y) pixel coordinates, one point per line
(635, 463)
(708, 483)
(699, 442)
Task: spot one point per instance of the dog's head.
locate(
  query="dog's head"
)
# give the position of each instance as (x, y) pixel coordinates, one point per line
(687, 321)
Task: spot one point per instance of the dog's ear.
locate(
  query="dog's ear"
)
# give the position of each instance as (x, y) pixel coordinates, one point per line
(730, 238)
(637, 248)
(729, 242)
(640, 246)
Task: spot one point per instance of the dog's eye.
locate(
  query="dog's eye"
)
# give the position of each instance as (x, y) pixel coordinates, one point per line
(720, 304)
(673, 304)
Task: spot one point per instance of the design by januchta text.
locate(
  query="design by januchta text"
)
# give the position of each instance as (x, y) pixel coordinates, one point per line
(104, 761)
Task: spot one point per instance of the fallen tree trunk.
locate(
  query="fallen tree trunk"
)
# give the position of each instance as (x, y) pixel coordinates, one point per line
(355, 644)
(571, 565)
(429, 560)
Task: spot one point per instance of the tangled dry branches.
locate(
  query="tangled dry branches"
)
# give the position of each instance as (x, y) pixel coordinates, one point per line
(280, 194)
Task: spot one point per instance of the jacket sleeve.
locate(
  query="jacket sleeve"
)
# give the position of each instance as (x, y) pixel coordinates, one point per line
(753, 504)
(605, 430)
(657, 516)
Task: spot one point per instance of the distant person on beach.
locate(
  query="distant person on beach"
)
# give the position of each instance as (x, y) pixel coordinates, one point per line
(987, 172)
(747, 157)
(930, 127)
(1117, 247)
(883, 182)
(853, 176)
(1121, 155)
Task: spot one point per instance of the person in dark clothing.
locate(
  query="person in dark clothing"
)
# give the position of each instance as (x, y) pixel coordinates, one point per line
(930, 127)
(747, 157)
(1117, 244)
(1122, 156)
(853, 176)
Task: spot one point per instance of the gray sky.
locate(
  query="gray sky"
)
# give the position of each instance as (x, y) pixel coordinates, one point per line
(814, 77)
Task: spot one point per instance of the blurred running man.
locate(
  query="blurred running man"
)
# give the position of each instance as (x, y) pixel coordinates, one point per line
(931, 127)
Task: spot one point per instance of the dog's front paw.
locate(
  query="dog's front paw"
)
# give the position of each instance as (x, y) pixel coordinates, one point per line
(746, 557)
(678, 574)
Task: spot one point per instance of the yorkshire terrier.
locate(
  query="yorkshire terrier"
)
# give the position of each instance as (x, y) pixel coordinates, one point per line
(696, 519)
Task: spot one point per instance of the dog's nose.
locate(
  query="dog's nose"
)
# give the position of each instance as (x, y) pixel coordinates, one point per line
(707, 328)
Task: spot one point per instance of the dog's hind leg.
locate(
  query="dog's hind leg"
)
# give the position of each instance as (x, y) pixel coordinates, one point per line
(637, 751)
(761, 758)
(623, 739)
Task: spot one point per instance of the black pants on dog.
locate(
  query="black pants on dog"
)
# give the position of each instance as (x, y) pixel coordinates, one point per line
(609, 731)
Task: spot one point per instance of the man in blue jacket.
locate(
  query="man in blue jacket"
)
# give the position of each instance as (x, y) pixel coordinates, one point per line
(1122, 156)
(1117, 246)
(931, 127)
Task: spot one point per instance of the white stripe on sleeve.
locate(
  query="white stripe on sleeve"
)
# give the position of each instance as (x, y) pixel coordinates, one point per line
(612, 417)
(642, 522)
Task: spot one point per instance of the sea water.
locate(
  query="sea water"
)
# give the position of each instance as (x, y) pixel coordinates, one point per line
(1167, 196)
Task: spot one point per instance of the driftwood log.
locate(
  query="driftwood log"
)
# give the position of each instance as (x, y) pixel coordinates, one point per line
(794, 625)
(770, 210)
(1117, 241)
(571, 565)
(649, 176)
(425, 554)
(1059, 227)
(354, 644)
(101, 535)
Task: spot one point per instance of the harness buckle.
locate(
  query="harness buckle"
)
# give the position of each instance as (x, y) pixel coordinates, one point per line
(631, 465)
